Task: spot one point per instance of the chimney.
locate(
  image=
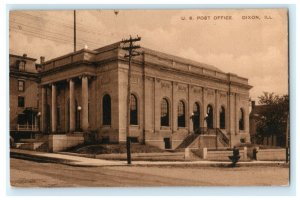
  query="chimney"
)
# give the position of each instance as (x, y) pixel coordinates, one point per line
(24, 55)
(42, 59)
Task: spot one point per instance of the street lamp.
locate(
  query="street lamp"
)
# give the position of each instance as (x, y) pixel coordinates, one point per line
(79, 109)
(193, 121)
(39, 122)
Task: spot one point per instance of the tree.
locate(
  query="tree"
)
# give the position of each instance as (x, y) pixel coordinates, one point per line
(272, 120)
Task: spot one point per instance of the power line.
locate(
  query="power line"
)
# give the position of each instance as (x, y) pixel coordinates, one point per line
(56, 22)
(46, 33)
(59, 40)
(19, 23)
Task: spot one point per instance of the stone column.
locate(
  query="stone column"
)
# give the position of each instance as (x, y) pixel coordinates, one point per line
(190, 104)
(172, 124)
(43, 110)
(232, 113)
(204, 108)
(53, 108)
(217, 110)
(72, 105)
(85, 103)
(237, 114)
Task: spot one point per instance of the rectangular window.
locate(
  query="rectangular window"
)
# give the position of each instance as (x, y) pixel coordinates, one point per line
(21, 101)
(21, 86)
(21, 65)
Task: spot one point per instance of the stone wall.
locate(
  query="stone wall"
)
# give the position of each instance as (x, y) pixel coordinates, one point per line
(219, 155)
(62, 142)
(158, 84)
(107, 82)
(271, 154)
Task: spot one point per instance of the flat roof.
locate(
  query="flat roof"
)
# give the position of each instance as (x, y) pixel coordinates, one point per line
(22, 57)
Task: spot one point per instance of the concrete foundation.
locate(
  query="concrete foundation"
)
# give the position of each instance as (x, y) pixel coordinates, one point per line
(271, 154)
(63, 142)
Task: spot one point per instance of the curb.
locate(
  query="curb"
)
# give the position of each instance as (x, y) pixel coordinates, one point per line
(38, 158)
(73, 163)
(45, 159)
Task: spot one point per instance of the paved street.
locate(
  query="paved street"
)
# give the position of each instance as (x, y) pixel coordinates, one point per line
(35, 174)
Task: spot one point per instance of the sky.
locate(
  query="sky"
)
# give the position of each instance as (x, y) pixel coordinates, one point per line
(250, 43)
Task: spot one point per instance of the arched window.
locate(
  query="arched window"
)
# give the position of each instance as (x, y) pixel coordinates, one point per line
(181, 114)
(241, 120)
(196, 109)
(133, 110)
(210, 117)
(222, 118)
(164, 116)
(106, 110)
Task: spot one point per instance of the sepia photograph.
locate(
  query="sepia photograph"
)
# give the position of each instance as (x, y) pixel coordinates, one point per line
(149, 97)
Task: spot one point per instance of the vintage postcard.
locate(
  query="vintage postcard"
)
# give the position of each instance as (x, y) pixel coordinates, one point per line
(138, 98)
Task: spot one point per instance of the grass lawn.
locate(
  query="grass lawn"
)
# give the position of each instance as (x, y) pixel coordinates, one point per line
(114, 149)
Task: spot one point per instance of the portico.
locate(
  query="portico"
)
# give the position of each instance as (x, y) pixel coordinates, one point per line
(71, 106)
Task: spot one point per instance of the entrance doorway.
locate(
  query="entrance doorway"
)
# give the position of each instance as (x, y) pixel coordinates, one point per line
(210, 117)
(48, 118)
(196, 118)
(222, 118)
(167, 142)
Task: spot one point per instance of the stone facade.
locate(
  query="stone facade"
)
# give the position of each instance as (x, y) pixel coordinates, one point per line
(87, 91)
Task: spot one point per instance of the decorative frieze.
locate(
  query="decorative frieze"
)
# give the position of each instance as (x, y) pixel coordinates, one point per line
(165, 85)
(181, 87)
(197, 90)
(223, 94)
(149, 78)
(244, 97)
(134, 80)
(105, 80)
(210, 92)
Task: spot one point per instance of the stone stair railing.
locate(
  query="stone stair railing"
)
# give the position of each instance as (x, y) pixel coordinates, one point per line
(187, 141)
(222, 137)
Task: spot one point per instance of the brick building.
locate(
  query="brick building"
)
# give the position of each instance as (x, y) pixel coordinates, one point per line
(23, 95)
(171, 98)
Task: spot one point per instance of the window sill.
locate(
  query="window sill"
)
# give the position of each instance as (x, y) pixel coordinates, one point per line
(165, 128)
(134, 126)
(182, 128)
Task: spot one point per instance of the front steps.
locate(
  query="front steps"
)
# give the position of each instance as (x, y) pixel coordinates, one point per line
(34, 146)
(211, 138)
(38, 144)
(52, 142)
(187, 141)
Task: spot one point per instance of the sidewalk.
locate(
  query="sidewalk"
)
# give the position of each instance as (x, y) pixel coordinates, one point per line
(92, 162)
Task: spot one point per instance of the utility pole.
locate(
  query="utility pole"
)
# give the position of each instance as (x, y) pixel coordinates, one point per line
(130, 47)
(74, 30)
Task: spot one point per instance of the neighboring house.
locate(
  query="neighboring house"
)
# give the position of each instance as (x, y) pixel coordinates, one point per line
(255, 115)
(23, 96)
